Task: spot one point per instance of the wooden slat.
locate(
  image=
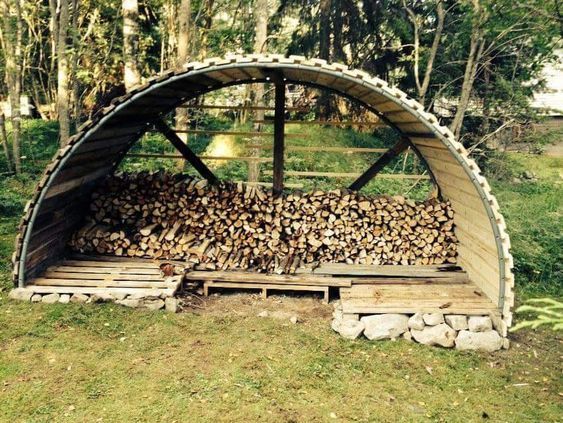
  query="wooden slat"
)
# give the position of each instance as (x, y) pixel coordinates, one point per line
(55, 274)
(179, 157)
(321, 149)
(221, 107)
(435, 272)
(310, 174)
(234, 133)
(94, 290)
(106, 270)
(325, 123)
(121, 264)
(253, 277)
(279, 140)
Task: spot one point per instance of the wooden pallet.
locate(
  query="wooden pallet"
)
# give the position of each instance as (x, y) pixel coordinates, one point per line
(105, 275)
(266, 282)
(412, 298)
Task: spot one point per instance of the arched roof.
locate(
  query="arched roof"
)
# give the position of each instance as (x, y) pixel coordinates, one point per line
(101, 143)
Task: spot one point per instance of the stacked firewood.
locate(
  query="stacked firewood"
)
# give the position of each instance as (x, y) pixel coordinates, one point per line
(236, 226)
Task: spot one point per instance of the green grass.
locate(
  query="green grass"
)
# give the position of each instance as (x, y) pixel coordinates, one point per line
(104, 362)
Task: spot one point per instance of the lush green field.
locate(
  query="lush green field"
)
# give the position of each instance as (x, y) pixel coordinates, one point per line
(222, 362)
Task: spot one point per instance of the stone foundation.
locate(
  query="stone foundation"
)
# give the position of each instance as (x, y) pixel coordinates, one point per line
(170, 304)
(480, 333)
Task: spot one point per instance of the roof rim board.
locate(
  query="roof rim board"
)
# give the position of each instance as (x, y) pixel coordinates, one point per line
(368, 90)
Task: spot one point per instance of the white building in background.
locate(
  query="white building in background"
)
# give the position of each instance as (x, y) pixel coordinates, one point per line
(550, 99)
(25, 107)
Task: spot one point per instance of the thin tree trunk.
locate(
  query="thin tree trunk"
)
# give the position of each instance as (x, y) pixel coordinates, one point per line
(11, 39)
(131, 73)
(4, 136)
(325, 7)
(475, 51)
(441, 15)
(260, 38)
(75, 55)
(62, 74)
(182, 56)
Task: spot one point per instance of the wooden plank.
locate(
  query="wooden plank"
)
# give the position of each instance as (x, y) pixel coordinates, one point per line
(310, 174)
(188, 154)
(179, 157)
(348, 150)
(253, 277)
(279, 121)
(55, 274)
(383, 161)
(325, 123)
(427, 280)
(234, 133)
(468, 291)
(122, 264)
(222, 107)
(106, 270)
(265, 288)
(435, 271)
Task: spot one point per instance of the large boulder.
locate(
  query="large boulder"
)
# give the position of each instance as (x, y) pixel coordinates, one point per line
(21, 294)
(433, 319)
(416, 322)
(385, 326)
(441, 334)
(348, 328)
(480, 323)
(457, 321)
(488, 341)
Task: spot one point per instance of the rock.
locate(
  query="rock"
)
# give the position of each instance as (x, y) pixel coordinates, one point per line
(416, 321)
(433, 319)
(171, 305)
(441, 334)
(505, 343)
(263, 313)
(64, 299)
(350, 329)
(456, 321)
(50, 298)
(479, 323)
(118, 295)
(21, 294)
(79, 298)
(293, 319)
(101, 298)
(130, 302)
(337, 314)
(335, 324)
(499, 325)
(36, 298)
(488, 341)
(385, 326)
(153, 304)
(407, 335)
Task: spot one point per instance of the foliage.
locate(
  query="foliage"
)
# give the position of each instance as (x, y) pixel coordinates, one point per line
(545, 312)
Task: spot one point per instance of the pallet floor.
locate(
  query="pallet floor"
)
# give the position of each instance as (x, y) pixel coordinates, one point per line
(105, 275)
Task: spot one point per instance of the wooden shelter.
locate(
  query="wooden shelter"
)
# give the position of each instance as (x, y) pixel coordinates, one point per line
(59, 203)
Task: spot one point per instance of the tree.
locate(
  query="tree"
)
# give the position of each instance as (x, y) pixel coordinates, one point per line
(11, 42)
(131, 73)
(63, 93)
(182, 56)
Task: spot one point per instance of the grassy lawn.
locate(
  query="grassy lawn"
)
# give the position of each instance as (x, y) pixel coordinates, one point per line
(223, 363)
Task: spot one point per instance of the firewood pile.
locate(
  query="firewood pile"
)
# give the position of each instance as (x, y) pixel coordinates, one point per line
(236, 226)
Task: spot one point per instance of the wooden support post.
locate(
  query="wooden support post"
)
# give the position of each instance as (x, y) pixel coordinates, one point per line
(383, 161)
(188, 154)
(279, 124)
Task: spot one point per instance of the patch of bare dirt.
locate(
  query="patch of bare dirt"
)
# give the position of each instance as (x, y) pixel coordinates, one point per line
(249, 304)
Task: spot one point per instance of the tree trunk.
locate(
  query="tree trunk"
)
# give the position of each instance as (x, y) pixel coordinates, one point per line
(441, 15)
(260, 38)
(325, 7)
(4, 136)
(11, 38)
(477, 44)
(182, 56)
(75, 94)
(62, 74)
(131, 74)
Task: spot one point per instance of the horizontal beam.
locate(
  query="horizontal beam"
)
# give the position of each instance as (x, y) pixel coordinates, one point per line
(321, 149)
(179, 157)
(324, 122)
(234, 133)
(220, 107)
(307, 174)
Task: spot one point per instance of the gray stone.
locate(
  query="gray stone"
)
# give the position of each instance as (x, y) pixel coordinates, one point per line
(350, 329)
(337, 314)
(130, 302)
(36, 298)
(433, 319)
(293, 319)
(407, 335)
(488, 341)
(50, 298)
(153, 304)
(64, 299)
(79, 298)
(101, 298)
(385, 326)
(499, 325)
(119, 295)
(441, 334)
(171, 305)
(21, 294)
(505, 343)
(416, 321)
(479, 323)
(457, 321)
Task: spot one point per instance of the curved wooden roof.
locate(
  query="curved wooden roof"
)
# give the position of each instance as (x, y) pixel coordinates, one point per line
(102, 142)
